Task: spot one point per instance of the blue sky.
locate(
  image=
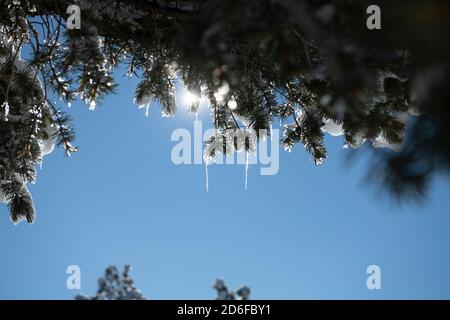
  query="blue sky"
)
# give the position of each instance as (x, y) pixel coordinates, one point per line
(308, 232)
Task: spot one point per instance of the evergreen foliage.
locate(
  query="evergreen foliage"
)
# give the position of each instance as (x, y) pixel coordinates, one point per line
(117, 285)
(309, 64)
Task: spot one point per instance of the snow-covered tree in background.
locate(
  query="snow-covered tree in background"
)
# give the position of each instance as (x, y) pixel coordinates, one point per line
(223, 293)
(120, 286)
(115, 286)
(310, 65)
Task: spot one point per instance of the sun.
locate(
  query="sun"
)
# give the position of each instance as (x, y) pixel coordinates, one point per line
(190, 98)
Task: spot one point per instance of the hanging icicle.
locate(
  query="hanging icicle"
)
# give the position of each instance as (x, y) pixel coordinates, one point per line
(206, 177)
(271, 135)
(246, 169)
(5, 105)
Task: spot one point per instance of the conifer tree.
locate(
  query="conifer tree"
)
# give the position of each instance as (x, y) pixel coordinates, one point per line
(310, 64)
(117, 285)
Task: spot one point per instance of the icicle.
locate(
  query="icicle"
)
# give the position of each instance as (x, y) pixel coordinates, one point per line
(246, 169)
(6, 107)
(271, 135)
(206, 177)
(6, 111)
(196, 116)
(146, 109)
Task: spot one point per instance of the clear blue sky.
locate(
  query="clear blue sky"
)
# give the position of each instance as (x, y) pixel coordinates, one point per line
(307, 232)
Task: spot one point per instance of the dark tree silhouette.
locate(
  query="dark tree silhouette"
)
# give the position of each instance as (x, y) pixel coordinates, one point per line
(311, 64)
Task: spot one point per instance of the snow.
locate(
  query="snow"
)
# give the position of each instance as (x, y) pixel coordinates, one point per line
(333, 128)
(47, 146)
(359, 140)
(381, 142)
(92, 105)
(5, 106)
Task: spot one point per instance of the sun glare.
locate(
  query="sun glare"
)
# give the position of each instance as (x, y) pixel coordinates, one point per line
(191, 98)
